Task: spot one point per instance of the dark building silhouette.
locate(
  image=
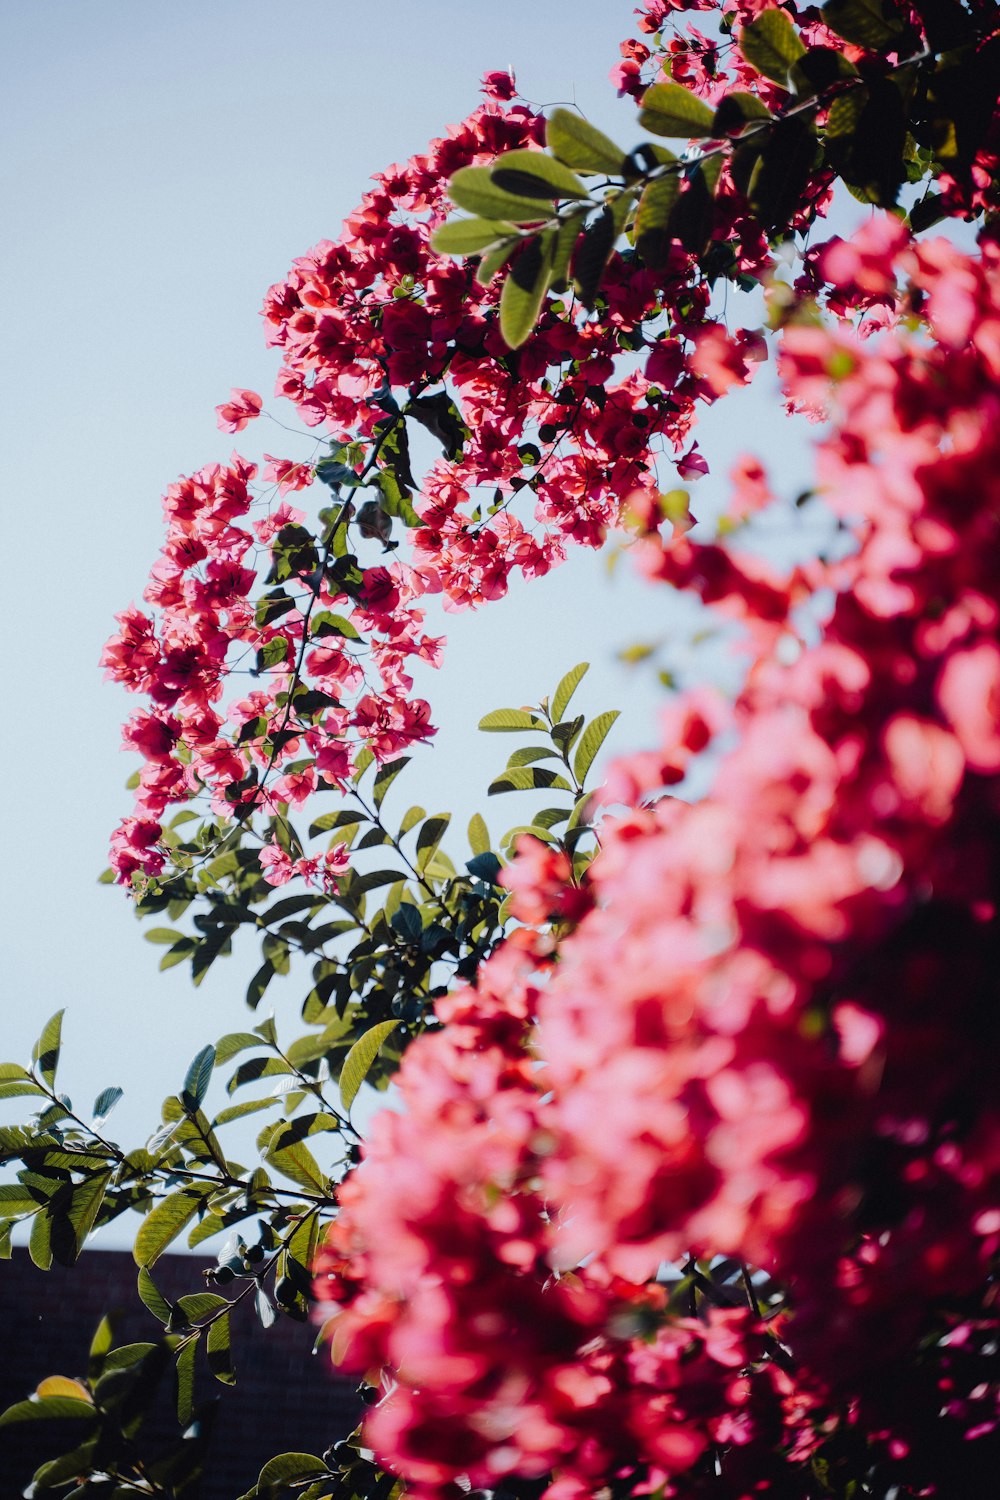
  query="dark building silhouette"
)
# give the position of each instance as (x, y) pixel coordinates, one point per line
(285, 1398)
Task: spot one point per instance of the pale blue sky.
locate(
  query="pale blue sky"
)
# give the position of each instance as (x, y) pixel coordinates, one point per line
(162, 165)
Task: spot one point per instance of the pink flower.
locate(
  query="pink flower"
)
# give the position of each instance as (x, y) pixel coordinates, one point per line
(499, 85)
(241, 408)
(276, 864)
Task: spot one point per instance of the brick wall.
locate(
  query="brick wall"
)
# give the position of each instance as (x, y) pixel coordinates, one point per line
(285, 1397)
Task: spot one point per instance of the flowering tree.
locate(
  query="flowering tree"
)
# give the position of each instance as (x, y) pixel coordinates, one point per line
(695, 1189)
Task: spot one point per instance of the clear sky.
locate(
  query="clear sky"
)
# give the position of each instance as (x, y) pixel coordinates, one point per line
(162, 166)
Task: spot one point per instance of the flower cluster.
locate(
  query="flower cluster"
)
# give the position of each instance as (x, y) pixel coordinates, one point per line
(331, 664)
(770, 1037)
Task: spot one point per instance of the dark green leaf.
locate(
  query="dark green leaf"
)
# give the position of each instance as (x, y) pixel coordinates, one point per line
(484, 866)
(49, 1409)
(287, 1469)
(185, 1382)
(218, 1346)
(151, 1296)
(737, 110)
(593, 250)
(653, 236)
(524, 289)
(864, 22)
(785, 167)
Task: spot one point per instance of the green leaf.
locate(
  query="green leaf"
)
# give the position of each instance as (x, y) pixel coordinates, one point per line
(248, 1107)
(40, 1241)
(46, 1049)
(257, 1067)
(164, 1224)
(591, 741)
(327, 623)
(494, 261)
(479, 834)
(526, 779)
(567, 687)
(16, 1088)
(296, 1162)
(430, 836)
(197, 1079)
(581, 145)
(219, 1350)
(524, 289)
(360, 1058)
(411, 818)
(185, 1382)
(164, 935)
(785, 167)
(9, 1072)
(151, 1296)
(200, 1305)
(49, 1409)
(653, 237)
(668, 109)
(233, 1042)
(771, 45)
(563, 247)
(470, 236)
(16, 1200)
(258, 985)
(863, 22)
(385, 776)
(105, 1103)
(532, 174)
(817, 69)
(85, 1205)
(509, 719)
(274, 653)
(100, 1345)
(285, 1470)
(473, 189)
(736, 110)
(592, 252)
(527, 754)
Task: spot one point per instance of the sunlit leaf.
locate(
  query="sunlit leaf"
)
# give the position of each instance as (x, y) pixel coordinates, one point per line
(360, 1058)
(581, 145)
(591, 741)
